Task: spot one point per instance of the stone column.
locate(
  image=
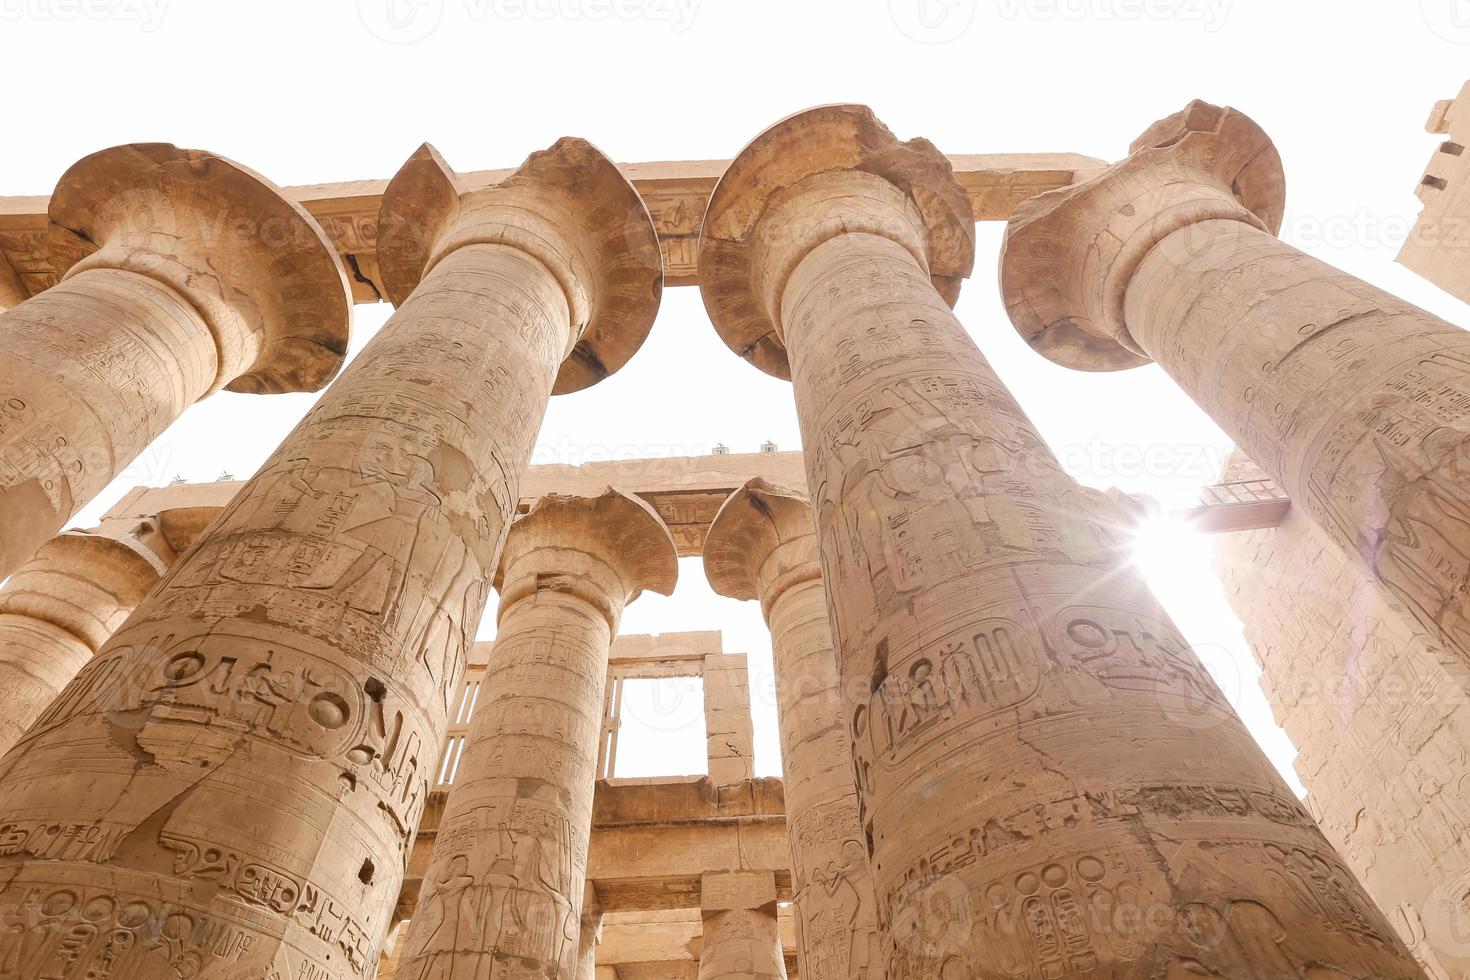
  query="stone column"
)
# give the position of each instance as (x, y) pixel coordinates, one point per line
(184, 273)
(590, 934)
(762, 545)
(741, 939)
(505, 881)
(241, 768)
(1049, 781)
(63, 604)
(1355, 401)
(388, 956)
(392, 944)
(12, 290)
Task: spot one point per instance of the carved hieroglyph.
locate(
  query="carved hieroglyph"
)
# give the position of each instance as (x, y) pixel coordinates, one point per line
(1382, 730)
(1355, 401)
(503, 892)
(230, 788)
(185, 273)
(63, 604)
(1049, 781)
(741, 940)
(762, 545)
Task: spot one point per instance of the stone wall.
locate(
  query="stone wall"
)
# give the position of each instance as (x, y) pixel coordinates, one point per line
(1382, 731)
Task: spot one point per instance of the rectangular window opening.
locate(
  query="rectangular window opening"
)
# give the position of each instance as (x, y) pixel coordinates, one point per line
(661, 728)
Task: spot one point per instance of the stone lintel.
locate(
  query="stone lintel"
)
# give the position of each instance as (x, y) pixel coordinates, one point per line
(654, 839)
(633, 653)
(675, 193)
(687, 492)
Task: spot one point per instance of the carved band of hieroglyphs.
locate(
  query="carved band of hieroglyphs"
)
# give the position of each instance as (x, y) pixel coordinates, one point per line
(64, 932)
(1132, 652)
(302, 703)
(1023, 827)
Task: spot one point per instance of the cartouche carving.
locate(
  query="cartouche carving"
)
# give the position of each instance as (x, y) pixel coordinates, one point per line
(1048, 781)
(504, 890)
(762, 545)
(1355, 401)
(184, 273)
(243, 766)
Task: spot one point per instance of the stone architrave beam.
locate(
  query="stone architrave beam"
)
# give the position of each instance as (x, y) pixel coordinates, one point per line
(675, 193)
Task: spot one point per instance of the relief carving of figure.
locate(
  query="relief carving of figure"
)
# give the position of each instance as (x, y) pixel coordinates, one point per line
(850, 923)
(391, 494)
(1424, 543)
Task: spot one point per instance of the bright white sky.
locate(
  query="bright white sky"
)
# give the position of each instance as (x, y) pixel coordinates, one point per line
(307, 92)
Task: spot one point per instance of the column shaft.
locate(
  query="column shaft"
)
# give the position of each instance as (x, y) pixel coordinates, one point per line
(12, 290)
(1050, 782)
(96, 368)
(1356, 401)
(590, 933)
(241, 769)
(741, 944)
(506, 882)
(836, 914)
(506, 877)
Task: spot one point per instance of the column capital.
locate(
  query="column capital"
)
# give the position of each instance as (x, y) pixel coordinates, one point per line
(256, 266)
(180, 527)
(1069, 254)
(762, 542)
(569, 207)
(815, 175)
(605, 550)
(85, 582)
